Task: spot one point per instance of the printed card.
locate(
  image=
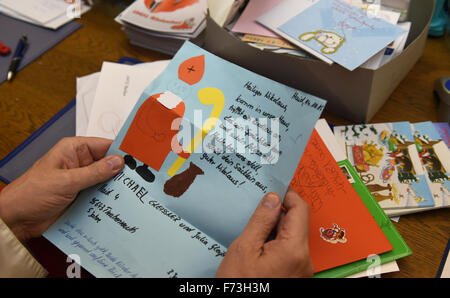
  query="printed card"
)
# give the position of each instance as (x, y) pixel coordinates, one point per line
(386, 158)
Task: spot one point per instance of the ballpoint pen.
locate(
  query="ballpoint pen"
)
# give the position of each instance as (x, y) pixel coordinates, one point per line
(18, 55)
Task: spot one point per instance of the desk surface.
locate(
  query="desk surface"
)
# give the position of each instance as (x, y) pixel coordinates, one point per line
(48, 84)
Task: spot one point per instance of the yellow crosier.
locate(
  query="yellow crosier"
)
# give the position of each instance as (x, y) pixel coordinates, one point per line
(207, 96)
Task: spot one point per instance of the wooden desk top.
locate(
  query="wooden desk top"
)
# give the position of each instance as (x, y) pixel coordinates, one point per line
(48, 84)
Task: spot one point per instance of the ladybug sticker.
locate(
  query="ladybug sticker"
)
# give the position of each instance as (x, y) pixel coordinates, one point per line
(333, 235)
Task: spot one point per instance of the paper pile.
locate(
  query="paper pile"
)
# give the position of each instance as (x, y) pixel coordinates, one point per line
(50, 14)
(163, 25)
(105, 99)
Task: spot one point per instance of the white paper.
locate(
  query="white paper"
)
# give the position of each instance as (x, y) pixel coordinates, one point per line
(443, 153)
(86, 87)
(396, 213)
(330, 140)
(398, 45)
(118, 90)
(54, 24)
(401, 42)
(376, 61)
(385, 268)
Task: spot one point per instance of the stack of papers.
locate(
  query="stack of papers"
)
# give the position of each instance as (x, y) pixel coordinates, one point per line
(158, 206)
(163, 26)
(105, 99)
(50, 14)
(351, 33)
(405, 166)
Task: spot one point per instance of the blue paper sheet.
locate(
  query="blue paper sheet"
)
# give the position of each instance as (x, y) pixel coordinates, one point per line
(343, 33)
(180, 221)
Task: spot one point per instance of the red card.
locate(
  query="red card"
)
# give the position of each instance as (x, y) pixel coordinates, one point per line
(342, 230)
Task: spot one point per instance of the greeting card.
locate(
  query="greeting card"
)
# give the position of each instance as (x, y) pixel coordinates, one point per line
(386, 158)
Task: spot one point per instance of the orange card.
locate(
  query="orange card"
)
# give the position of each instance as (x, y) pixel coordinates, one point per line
(342, 230)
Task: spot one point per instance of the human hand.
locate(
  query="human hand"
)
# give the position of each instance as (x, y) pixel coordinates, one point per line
(31, 203)
(285, 256)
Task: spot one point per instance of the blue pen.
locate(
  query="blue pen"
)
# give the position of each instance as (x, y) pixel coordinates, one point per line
(18, 55)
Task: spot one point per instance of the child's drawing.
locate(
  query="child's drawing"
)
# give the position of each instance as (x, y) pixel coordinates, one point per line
(331, 41)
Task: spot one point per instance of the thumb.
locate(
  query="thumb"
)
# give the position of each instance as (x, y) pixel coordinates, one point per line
(263, 221)
(96, 172)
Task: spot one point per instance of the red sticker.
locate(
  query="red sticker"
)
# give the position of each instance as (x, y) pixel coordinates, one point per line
(191, 71)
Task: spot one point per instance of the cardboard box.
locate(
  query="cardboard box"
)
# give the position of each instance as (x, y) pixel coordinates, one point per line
(354, 95)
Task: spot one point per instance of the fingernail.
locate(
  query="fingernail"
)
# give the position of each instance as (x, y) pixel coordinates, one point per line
(114, 163)
(271, 200)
